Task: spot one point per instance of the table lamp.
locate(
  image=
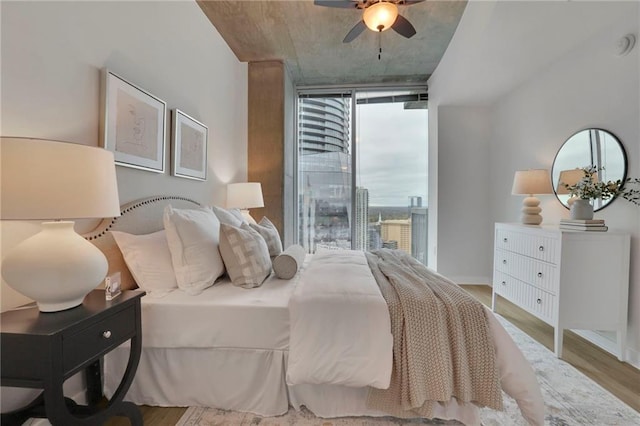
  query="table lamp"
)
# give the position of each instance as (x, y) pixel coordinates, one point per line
(531, 182)
(569, 177)
(51, 180)
(245, 196)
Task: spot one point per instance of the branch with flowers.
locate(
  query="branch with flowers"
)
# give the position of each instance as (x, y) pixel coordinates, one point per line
(588, 187)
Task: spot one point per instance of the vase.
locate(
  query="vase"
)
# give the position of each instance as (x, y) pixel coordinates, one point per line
(581, 210)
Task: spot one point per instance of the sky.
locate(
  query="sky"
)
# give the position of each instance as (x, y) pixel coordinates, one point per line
(392, 153)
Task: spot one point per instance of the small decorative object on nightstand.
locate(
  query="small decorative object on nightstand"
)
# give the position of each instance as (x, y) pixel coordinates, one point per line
(42, 350)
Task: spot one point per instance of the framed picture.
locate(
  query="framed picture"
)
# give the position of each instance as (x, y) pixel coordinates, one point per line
(133, 125)
(189, 147)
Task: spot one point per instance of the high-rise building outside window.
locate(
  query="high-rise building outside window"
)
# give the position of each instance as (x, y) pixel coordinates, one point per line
(362, 170)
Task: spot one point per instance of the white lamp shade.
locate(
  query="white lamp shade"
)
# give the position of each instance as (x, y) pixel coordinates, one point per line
(569, 177)
(380, 16)
(531, 182)
(43, 179)
(246, 195)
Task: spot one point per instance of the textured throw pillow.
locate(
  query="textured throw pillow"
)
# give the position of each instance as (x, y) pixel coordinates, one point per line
(245, 255)
(231, 217)
(270, 234)
(289, 262)
(149, 261)
(193, 237)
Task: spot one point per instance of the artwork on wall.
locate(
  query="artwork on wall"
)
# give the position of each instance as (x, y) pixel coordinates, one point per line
(189, 147)
(133, 124)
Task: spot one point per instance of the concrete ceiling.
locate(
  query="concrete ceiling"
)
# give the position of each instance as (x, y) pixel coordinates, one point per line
(308, 39)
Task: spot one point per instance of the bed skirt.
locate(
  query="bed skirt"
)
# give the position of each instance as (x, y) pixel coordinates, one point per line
(248, 380)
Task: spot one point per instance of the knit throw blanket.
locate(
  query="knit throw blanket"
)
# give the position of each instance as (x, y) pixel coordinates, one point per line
(442, 346)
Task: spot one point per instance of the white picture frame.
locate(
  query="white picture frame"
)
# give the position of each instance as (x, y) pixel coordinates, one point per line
(133, 124)
(189, 140)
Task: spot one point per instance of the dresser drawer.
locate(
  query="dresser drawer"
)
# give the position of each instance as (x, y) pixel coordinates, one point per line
(541, 304)
(538, 302)
(541, 247)
(98, 338)
(537, 273)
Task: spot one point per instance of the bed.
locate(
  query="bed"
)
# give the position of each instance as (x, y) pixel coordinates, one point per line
(229, 347)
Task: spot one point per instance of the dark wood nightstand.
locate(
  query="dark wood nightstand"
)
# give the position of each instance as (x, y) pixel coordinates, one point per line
(41, 350)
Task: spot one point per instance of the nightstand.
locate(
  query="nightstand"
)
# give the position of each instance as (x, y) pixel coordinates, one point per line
(41, 350)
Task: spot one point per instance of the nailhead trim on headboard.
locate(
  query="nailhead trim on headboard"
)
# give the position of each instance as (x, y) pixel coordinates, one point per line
(108, 223)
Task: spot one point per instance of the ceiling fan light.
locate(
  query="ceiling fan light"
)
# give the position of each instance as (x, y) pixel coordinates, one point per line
(380, 16)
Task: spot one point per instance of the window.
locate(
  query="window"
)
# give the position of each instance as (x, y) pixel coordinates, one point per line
(362, 170)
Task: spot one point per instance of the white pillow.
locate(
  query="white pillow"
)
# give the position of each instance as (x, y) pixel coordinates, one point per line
(149, 261)
(193, 237)
(245, 255)
(231, 217)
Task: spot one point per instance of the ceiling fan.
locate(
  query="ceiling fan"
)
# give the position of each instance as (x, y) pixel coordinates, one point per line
(378, 15)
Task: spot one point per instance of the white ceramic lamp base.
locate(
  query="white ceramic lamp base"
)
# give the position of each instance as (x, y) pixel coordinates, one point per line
(531, 211)
(56, 267)
(247, 216)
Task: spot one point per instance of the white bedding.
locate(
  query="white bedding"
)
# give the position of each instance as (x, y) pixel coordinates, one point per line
(229, 348)
(222, 316)
(339, 304)
(340, 325)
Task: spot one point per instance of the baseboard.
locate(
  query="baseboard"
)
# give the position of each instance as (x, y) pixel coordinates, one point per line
(632, 357)
(470, 280)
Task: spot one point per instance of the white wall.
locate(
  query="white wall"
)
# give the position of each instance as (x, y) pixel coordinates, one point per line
(52, 54)
(571, 82)
(463, 204)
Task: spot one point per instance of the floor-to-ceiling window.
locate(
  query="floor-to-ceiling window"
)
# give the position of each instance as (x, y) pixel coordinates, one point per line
(362, 169)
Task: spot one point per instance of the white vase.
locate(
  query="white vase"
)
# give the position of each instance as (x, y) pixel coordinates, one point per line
(581, 210)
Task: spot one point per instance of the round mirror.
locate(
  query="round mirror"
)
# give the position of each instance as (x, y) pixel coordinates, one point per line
(588, 147)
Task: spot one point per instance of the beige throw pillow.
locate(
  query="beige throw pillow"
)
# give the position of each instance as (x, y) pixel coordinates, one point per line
(245, 255)
(270, 234)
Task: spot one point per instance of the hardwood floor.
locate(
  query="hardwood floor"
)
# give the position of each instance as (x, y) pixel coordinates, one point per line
(617, 377)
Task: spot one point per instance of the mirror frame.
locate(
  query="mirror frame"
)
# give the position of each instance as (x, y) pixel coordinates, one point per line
(624, 158)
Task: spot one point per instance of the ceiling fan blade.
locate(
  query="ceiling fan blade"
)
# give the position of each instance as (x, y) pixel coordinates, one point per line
(344, 4)
(355, 32)
(409, 2)
(403, 27)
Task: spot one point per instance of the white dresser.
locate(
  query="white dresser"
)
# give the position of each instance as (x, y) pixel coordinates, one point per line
(569, 279)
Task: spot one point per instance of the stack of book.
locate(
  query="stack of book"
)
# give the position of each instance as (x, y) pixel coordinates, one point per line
(583, 225)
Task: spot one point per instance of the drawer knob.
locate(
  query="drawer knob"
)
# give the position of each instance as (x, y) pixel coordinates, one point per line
(504, 283)
(539, 274)
(539, 301)
(504, 261)
(541, 248)
(505, 239)
(106, 334)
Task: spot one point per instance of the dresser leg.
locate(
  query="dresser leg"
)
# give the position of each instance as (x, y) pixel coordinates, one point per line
(557, 341)
(622, 344)
(493, 301)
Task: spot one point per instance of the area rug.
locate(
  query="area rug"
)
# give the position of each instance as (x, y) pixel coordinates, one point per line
(571, 399)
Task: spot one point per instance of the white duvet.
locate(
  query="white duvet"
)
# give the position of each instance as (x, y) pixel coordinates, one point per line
(340, 333)
(340, 326)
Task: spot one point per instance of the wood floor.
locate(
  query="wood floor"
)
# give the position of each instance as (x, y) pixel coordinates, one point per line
(617, 377)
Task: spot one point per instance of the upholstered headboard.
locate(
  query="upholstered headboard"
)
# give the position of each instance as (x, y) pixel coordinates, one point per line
(138, 217)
